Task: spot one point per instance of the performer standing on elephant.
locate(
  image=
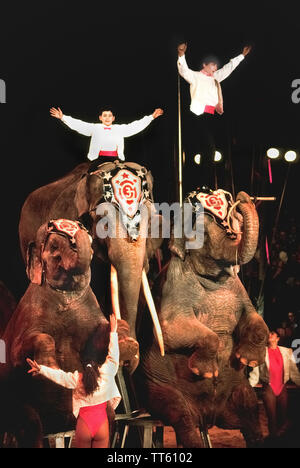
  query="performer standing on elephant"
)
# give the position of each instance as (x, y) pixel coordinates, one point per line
(91, 391)
(206, 99)
(107, 139)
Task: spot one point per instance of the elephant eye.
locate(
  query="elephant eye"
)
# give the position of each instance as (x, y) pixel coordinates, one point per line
(53, 247)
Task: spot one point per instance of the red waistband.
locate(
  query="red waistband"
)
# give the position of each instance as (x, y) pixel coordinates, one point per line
(209, 109)
(108, 153)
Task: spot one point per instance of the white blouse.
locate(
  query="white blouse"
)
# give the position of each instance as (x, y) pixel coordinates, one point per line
(107, 138)
(203, 88)
(107, 389)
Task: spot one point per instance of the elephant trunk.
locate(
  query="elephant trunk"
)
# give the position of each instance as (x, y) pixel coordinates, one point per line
(128, 260)
(249, 239)
(84, 252)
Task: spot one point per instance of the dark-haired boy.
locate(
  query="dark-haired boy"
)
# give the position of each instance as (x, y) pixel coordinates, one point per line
(206, 98)
(107, 138)
(205, 89)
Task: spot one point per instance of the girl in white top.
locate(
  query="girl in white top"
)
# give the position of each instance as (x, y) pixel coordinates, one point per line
(91, 391)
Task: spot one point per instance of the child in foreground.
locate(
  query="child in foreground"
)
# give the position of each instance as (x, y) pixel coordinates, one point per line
(92, 389)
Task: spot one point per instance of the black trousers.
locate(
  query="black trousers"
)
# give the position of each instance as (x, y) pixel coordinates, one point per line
(276, 409)
(199, 137)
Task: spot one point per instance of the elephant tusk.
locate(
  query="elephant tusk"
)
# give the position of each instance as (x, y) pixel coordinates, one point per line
(115, 292)
(153, 312)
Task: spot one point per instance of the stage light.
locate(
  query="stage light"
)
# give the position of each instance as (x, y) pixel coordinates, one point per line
(273, 153)
(290, 156)
(197, 158)
(218, 156)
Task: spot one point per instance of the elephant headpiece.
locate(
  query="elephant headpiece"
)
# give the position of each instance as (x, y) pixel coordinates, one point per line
(62, 227)
(127, 189)
(217, 204)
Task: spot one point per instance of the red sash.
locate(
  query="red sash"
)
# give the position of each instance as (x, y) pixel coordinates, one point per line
(108, 153)
(209, 109)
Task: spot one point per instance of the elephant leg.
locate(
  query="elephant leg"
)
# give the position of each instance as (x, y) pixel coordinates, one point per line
(242, 412)
(188, 332)
(43, 347)
(252, 335)
(30, 435)
(22, 423)
(171, 406)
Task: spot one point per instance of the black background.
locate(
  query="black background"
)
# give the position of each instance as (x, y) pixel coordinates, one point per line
(80, 56)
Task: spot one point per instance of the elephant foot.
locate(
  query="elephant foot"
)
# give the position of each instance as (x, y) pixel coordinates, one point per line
(43, 347)
(203, 362)
(206, 368)
(251, 348)
(129, 353)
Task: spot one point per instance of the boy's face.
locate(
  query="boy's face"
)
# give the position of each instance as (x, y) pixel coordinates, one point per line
(210, 68)
(107, 117)
(273, 339)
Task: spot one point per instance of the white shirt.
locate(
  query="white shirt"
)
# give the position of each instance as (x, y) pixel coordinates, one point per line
(203, 89)
(290, 368)
(107, 138)
(107, 389)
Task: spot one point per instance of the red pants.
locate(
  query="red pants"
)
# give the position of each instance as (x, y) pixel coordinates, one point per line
(94, 417)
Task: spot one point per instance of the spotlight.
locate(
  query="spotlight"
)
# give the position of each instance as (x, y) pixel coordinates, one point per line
(197, 158)
(290, 156)
(273, 153)
(218, 156)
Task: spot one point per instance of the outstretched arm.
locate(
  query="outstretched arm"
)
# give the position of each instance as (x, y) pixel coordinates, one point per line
(65, 379)
(182, 66)
(138, 126)
(84, 128)
(111, 364)
(225, 71)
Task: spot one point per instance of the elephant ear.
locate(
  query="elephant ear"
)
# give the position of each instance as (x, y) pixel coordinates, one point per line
(177, 246)
(34, 265)
(149, 178)
(88, 194)
(80, 199)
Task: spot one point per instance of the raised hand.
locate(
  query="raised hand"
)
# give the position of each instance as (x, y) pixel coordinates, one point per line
(246, 50)
(157, 113)
(57, 113)
(35, 368)
(182, 49)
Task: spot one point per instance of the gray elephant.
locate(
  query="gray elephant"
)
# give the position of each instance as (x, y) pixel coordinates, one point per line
(210, 327)
(58, 323)
(126, 186)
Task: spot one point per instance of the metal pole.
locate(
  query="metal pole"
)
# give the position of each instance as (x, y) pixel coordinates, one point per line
(280, 205)
(179, 143)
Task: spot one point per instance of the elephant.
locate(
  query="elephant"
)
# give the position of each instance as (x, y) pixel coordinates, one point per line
(57, 322)
(77, 196)
(210, 328)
